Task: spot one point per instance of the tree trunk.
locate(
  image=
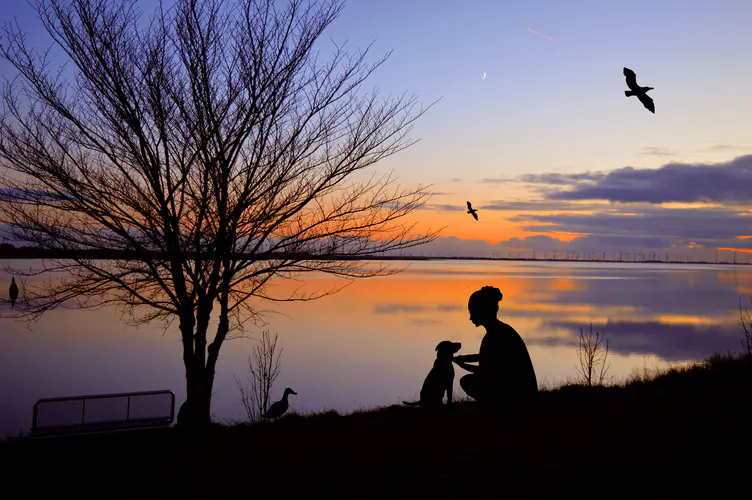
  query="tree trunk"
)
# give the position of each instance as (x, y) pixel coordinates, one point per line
(195, 412)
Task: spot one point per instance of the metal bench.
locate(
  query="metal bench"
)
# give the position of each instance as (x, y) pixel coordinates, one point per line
(99, 413)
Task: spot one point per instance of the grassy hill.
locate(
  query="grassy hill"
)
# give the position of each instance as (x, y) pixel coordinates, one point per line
(685, 431)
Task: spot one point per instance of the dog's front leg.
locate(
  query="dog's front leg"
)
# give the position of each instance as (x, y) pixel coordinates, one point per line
(449, 394)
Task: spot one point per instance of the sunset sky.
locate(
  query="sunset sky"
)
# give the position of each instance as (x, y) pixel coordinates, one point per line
(547, 147)
(552, 116)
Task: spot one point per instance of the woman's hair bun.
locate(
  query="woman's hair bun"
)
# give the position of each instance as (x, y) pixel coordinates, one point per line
(492, 293)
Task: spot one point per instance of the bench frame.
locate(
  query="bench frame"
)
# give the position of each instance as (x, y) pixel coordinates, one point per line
(115, 425)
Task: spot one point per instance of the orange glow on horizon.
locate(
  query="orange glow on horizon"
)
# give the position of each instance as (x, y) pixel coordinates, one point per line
(740, 250)
(491, 229)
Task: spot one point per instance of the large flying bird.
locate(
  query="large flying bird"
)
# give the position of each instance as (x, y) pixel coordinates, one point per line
(640, 92)
(470, 210)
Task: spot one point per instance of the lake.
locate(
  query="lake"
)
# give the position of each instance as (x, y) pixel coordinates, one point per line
(373, 343)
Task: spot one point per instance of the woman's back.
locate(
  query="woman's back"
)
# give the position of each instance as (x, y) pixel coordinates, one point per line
(505, 362)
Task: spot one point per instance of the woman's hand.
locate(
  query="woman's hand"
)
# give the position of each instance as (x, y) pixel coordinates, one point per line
(466, 358)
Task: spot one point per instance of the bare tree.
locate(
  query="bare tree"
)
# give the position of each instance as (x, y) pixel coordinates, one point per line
(263, 368)
(181, 162)
(745, 320)
(592, 355)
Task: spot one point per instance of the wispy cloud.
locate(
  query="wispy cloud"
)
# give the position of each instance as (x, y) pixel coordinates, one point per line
(498, 180)
(542, 206)
(396, 308)
(438, 193)
(442, 207)
(541, 34)
(656, 151)
(723, 148)
(559, 179)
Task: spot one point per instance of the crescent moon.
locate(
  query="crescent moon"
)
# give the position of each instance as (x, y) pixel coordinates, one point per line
(484, 76)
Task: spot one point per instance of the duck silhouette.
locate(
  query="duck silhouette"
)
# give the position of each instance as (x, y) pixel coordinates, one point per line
(279, 408)
(13, 292)
(471, 210)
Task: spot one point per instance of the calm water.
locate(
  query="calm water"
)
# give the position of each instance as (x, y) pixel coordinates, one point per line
(373, 343)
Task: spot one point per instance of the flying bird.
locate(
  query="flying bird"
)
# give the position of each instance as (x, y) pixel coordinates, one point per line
(640, 92)
(470, 210)
(280, 407)
(13, 291)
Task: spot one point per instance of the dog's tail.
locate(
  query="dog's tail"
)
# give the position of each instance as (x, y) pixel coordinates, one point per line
(413, 403)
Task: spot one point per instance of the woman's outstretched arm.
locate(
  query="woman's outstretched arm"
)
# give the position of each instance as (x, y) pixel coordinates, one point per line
(465, 366)
(468, 358)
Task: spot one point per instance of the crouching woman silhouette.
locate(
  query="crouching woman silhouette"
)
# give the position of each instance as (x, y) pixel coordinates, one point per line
(504, 376)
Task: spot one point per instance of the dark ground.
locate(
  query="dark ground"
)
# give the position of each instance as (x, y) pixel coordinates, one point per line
(684, 434)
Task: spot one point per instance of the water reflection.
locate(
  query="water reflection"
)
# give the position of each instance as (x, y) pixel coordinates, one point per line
(373, 343)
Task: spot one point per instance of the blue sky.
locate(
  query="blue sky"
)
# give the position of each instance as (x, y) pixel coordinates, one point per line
(558, 107)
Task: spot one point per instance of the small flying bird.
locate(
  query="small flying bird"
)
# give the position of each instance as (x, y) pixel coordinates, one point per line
(470, 210)
(640, 92)
(280, 407)
(13, 292)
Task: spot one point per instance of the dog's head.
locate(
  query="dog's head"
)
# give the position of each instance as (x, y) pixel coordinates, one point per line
(445, 349)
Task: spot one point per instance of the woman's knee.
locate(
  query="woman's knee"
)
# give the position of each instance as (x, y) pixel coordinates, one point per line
(471, 386)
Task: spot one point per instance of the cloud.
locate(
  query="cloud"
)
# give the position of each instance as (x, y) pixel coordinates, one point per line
(671, 342)
(729, 182)
(627, 245)
(541, 206)
(29, 195)
(656, 151)
(498, 180)
(396, 308)
(554, 178)
(560, 179)
(689, 224)
(438, 193)
(623, 211)
(425, 322)
(723, 148)
(442, 206)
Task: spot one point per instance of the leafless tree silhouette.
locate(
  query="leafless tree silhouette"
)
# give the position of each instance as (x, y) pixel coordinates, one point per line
(263, 370)
(592, 355)
(182, 162)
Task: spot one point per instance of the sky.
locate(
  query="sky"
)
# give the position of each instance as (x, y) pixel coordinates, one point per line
(547, 147)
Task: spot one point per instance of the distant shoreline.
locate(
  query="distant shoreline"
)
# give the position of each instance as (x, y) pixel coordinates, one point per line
(13, 253)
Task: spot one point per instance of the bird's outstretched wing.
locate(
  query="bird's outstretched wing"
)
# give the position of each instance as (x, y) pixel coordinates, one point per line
(475, 215)
(631, 79)
(647, 102)
(469, 206)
